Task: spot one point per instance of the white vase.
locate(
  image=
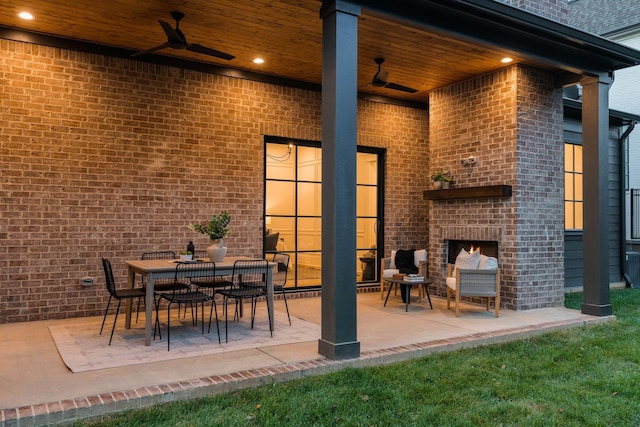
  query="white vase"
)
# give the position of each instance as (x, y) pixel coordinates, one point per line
(216, 251)
(437, 185)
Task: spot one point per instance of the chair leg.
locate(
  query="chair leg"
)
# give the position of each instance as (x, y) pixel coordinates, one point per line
(202, 311)
(214, 307)
(169, 324)
(156, 302)
(254, 304)
(236, 315)
(269, 313)
(156, 326)
(114, 321)
(226, 319)
(286, 306)
(105, 314)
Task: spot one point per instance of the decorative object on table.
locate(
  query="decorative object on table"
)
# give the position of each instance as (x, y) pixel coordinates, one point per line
(216, 228)
(186, 255)
(412, 278)
(441, 179)
(191, 248)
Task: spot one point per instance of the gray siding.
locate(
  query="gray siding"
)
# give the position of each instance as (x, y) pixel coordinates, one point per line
(573, 246)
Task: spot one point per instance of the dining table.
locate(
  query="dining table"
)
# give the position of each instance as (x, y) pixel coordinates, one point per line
(154, 269)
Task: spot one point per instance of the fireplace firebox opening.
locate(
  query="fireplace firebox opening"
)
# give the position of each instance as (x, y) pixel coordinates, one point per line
(486, 247)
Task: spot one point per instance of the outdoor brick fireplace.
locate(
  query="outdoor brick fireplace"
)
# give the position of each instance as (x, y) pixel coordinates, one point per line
(512, 195)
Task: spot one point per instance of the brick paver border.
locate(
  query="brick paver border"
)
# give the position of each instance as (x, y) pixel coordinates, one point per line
(72, 410)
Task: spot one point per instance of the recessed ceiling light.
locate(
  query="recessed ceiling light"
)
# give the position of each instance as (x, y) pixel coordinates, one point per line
(258, 61)
(25, 15)
(506, 60)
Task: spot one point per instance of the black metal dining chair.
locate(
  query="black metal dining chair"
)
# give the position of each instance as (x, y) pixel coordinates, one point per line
(280, 277)
(249, 282)
(191, 296)
(161, 285)
(118, 294)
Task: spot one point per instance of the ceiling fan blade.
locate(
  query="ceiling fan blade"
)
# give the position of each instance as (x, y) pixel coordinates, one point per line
(153, 49)
(172, 34)
(396, 86)
(193, 47)
(380, 79)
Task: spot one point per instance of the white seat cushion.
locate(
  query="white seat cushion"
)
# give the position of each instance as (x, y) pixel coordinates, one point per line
(451, 283)
(389, 272)
(418, 256)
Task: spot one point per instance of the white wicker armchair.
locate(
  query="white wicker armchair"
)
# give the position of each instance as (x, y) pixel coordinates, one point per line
(483, 283)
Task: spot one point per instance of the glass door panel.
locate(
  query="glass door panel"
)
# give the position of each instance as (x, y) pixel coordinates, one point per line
(278, 200)
(293, 209)
(367, 216)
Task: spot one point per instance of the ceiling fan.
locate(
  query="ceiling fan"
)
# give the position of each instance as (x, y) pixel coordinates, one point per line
(177, 40)
(380, 79)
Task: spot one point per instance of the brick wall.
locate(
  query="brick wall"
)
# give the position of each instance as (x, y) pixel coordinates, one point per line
(106, 157)
(555, 10)
(540, 196)
(496, 118)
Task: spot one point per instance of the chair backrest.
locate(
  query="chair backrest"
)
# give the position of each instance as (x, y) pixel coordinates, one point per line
(108, 277)
(271, 242)
(200, 254)
(194, 272)
(253, 272)
(159, 255)
(280, 275)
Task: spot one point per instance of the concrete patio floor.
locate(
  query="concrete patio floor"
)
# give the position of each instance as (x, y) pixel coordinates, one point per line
(38, 389)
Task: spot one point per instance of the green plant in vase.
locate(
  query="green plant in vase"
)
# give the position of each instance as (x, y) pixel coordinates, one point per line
(441, 179)
(216, 228)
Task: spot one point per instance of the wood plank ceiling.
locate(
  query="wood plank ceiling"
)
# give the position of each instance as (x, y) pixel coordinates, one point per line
(286, 33)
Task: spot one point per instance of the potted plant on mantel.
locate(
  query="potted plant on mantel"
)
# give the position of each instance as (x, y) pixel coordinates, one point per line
(216, 228)
(441, 179)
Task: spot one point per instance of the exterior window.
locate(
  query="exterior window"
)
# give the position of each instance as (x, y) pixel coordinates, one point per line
(573, 202)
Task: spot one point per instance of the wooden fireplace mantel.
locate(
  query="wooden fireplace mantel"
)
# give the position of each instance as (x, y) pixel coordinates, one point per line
(469, 192)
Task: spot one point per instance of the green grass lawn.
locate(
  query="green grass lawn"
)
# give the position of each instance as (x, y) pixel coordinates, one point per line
(587, 376)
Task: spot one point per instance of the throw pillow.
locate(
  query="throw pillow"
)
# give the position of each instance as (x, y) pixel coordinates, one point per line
(466, 260)
(392, 264)
(418, 256)
(490, 263)
(483, 262)
(405, 262)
